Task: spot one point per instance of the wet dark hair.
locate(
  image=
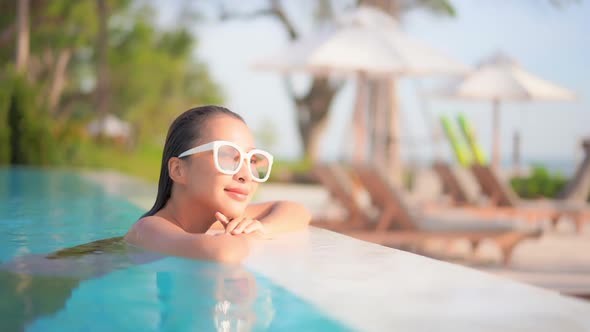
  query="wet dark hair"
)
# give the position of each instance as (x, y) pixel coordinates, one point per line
(183, 133)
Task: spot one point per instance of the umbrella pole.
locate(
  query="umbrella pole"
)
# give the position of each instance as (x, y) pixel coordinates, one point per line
(395, 166)
(516, 141)
(380, 125)
(359, 118)
(496, 135)
(372, 107)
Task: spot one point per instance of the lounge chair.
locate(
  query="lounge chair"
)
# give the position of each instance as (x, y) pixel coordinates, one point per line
(578, 188)
(451, 184)
(501, 194)
(341, 188)
(466, 201)
(399, 224)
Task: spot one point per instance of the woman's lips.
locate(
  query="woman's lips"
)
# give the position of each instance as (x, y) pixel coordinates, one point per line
(237, 193)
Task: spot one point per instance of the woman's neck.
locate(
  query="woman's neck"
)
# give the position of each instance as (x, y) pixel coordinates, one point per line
(187, 215)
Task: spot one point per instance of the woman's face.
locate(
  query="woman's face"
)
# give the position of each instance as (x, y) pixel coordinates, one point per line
(228, 194)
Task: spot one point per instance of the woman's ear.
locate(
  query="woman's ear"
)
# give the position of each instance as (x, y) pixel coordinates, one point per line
(177, 171)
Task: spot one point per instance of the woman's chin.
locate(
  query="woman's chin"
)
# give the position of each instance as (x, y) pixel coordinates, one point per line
(228, 207)
(233, 210)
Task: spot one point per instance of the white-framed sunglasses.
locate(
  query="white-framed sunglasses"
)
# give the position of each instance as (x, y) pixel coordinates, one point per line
(229, 158)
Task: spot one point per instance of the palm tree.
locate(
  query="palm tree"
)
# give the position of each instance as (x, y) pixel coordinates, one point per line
(102, 71)
(23, 36)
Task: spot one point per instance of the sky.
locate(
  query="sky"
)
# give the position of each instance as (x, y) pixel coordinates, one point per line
(552, 43)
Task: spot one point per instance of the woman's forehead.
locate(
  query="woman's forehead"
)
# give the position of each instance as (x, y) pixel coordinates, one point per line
(226, 128)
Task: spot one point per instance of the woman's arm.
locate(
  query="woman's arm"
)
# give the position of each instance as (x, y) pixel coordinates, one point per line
(156, 234)
(280, 216)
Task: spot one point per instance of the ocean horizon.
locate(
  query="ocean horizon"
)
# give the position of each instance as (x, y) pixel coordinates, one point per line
(564, 167)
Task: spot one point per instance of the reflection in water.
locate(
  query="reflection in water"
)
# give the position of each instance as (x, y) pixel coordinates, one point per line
(241, 305)
(44, 292)
(43, 211)
(235, 295)
(213, 298)
(107, 285)
(38, 285)
(26, 297)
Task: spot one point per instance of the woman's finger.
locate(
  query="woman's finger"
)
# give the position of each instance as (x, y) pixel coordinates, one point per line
(253, 227)
(221, 218)
(243, 224)
(232, 224)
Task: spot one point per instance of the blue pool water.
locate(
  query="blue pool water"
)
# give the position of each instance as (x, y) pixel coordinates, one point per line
(112, 286)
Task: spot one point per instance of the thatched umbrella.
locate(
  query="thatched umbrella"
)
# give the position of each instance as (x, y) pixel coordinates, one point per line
(500, 79)
(363, 43)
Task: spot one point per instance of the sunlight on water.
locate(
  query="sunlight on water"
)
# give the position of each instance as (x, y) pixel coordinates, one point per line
(53, 279)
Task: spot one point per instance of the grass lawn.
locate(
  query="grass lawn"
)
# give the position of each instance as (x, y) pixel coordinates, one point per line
(143, 162)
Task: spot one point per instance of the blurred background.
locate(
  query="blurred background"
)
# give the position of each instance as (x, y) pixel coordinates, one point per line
(402, 84)
(96, 83)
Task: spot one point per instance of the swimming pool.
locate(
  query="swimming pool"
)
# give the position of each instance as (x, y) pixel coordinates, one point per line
(114, 287)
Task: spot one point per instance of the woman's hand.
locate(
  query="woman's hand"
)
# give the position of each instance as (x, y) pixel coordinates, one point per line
(240, 225)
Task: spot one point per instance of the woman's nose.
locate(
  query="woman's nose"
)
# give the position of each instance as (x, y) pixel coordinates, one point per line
(244, 173)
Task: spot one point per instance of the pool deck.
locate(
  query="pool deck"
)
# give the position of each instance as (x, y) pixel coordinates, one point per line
(559, 260)
(375, 288)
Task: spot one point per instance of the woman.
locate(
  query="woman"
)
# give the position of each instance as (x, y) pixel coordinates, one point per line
(210, 171)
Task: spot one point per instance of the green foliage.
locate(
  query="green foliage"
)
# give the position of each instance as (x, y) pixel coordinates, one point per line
(144, 162)
(266, 134)
(409, 179)
(153, 75)
(540, 183)
(291, 171)
(441, 7)
(66, 24)
(29, 138)
(5, 132)
(155, 78)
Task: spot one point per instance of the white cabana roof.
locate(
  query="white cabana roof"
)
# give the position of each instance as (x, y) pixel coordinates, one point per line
(111, 127)
(503, 79)
(362, 40)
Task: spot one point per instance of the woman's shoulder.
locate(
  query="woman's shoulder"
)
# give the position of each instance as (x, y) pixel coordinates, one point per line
(149, 220)
(147, 225)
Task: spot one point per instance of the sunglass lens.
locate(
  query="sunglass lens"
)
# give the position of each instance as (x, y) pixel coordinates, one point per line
(259, 166)
(228, 158)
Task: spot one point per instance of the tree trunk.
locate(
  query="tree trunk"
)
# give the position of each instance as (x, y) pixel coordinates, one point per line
(313, 107)
(59, 79)
(312, 111)
(23, 36)
(102, 70)
(314, 139)
(391, 7)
